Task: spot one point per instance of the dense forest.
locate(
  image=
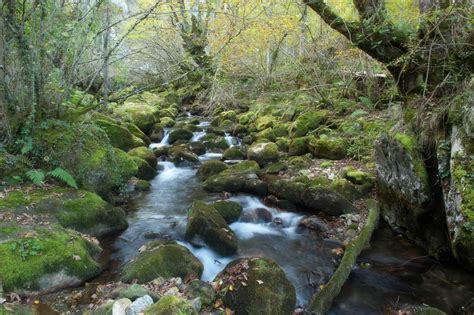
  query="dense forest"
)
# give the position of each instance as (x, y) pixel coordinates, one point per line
(236, 157)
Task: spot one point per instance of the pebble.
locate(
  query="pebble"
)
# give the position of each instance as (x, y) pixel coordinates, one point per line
(120, 306)
(139, 305)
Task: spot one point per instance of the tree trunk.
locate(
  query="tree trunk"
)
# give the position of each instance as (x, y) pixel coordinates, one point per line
(106, 54)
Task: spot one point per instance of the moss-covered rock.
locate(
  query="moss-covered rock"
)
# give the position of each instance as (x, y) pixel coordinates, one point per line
(162, 259)
(308, 122)
(233, 179)
(276, 168)
(180, 134)
(213, 141)
(299, 146)
(266, 135)
(346, 189)
(229, 115)
(137, 132)
(85, 152)
(45, 257)
(229, 210)
(247, 118)
(328, 148)
(80, 210)
(182, 153)
(283, 144)
(300, 162)
(210, 168)
(263, 153)
(264, 122)
(156, 133)
(267, 289)
(314, 196)
(167, 122)
(141, 114)
(120, 137)
(171, 305)
(233, 153)
(202, 290)
(197, 147)
(205, 222)
(145, 154)
(281, 130)
(145, 170)
(160, 150)
(358, 177)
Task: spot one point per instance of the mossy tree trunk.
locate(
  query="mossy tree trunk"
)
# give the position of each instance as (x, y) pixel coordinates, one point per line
(429, 68)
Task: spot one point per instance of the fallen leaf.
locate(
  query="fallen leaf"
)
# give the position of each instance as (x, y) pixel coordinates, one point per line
(259, 281)
(244, 284)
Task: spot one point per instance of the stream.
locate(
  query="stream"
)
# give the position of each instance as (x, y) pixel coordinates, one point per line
(395, 272)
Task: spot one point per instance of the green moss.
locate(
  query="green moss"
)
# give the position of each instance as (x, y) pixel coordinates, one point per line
(207, 223)
(145, 171)
(229, 210)
(247, 118)
(326, 164)
(266, 135)
(167, 122)
(171, 305)
(233, 153)
(182, 154)
(328, 148)
(229, 115)
(120, 137)
(165, 260)
(264, 122)
(407, 141)
(263, 153)
(463, 180)
(308, 122)
(141, 114)
(210, 168)
(299, 146)
(145, 154)
(60, 251)
(283, 144)
(276, 168)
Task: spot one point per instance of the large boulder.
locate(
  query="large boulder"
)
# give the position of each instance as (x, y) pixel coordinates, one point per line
(38, 257)
(120, 137)
(171, 305)
(180, 134)
(263, 153)
(182, 154)
(229, 210)
(308, 122)
(233, 153)
(145, 170)
(162, 259)
(156, 133)
(213, 142)
(85, 152)
(328, 148)
(210, 168)
(312, 196)
(259, 286)
(141, 114)
(80, 210)
(145, 154)
(206, 223)
(236, 178)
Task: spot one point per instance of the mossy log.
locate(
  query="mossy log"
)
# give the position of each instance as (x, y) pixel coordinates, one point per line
(322, 300)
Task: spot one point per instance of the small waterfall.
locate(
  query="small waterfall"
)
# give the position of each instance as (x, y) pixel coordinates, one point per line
(165, 140)
(198, 136)
(231, 141)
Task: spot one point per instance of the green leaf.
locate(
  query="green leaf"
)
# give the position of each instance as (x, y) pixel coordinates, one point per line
(36, 176)
(64, 176)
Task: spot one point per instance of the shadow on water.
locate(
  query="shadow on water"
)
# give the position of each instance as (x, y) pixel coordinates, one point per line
(400, 274)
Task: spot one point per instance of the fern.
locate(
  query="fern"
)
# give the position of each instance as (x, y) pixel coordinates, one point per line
(36, 176)
(64, 176)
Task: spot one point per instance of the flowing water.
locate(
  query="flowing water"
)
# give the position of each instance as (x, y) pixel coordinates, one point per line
(396, 272)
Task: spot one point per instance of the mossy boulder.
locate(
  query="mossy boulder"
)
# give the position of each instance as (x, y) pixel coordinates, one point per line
(41, 258)
(314, 196)
(182, 153)
(213, 141)
(280, 130)
(266, 135)
(210, 168)
(156, 133)
(299, 162)
(298, 146)
(202, 290)
(197, 147)
(162, 259)
(120, 137)
(247, 118)
(137, 132)
(167, 122)
(308, 122)
(141, 114)
(80, 210)
(171, 305)
(276, 168)
(206, 223)
(358, 177)
(283, 144)
(233, 153)
(233, 179)
(145, 154)
(85, 152)
(229, 210)
(145, 170)
(264, 122)
(267, 289)
(180, 134)
(263, 153)
(229, 115)
(160, 150)
(327, 147)
(347, 189)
